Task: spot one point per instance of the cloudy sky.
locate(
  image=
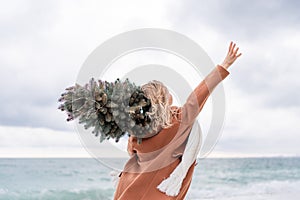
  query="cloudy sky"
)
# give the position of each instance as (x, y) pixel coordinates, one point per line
(44, 44)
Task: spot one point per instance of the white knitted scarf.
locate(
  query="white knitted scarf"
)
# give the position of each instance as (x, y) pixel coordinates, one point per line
(171, 185)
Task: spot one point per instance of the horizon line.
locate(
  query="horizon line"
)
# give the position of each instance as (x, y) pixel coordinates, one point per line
(216, 157)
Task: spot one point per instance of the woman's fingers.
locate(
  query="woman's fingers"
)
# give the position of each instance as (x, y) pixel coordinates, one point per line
(232, 54)
(232, 50)
(230, 47)
(236, 51)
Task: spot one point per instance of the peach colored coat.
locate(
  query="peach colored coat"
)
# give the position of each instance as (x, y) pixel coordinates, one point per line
(158, 155)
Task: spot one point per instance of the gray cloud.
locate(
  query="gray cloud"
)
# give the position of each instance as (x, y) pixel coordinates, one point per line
(267, 67)
(43, 45)
(34, 72)
(247, 20)
(27, 18)
(41, 53)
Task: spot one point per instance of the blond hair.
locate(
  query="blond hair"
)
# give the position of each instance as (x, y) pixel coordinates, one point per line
(160, 112)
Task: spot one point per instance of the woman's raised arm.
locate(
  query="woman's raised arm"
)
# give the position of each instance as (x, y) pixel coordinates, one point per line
(196, 100)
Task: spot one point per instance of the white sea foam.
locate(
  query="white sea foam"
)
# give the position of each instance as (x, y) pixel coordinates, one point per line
(266, 190)
(3, 191)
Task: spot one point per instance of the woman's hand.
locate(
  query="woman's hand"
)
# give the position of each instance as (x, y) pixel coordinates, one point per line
(231, 56)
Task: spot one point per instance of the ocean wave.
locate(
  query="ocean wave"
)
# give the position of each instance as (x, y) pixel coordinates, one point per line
(266, 190)
(263, 190)
(50, 194)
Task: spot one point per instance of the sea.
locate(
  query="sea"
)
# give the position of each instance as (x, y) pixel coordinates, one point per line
(89, 179)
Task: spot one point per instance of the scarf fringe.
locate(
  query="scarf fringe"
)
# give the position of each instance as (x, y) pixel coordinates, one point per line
(115, 177)
(172, 185)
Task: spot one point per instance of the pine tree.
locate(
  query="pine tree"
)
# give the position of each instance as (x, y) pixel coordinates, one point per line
(110, 108)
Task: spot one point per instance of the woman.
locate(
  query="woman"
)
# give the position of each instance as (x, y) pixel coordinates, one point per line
(160, 152)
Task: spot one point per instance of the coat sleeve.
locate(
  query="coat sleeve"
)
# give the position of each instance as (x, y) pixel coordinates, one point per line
(196, 100)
